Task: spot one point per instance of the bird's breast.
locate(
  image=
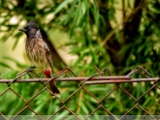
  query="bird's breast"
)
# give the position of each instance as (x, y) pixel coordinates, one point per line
(36, 52)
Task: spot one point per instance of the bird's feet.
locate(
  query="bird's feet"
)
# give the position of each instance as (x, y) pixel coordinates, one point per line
(29, 69)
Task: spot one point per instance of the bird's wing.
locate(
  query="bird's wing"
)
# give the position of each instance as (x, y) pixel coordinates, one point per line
(48, 55)
(44, 45)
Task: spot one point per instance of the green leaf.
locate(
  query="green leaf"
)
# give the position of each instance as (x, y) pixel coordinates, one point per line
(71, 12)
(61, 6)
(5, 65)
(16, 62)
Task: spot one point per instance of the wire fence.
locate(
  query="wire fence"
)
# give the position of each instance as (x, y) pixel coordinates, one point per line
(98, 78)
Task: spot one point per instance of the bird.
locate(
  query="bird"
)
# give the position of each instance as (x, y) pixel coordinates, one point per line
(39, 53)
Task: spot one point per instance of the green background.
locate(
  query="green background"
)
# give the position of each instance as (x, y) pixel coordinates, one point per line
(118, 34)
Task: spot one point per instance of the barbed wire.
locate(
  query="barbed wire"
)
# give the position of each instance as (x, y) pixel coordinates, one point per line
(68, 75)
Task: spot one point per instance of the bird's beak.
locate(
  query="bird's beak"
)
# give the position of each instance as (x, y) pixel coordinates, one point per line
(22, 29)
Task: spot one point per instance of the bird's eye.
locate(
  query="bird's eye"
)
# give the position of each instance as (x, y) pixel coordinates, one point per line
(28, 29)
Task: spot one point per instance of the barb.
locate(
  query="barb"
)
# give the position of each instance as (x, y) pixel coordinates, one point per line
(139, 69)
(107, 69)
(101, 72)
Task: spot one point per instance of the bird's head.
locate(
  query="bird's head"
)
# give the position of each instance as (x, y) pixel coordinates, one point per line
(30, 29)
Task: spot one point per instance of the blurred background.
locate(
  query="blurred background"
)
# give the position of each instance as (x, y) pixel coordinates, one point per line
(118, 34)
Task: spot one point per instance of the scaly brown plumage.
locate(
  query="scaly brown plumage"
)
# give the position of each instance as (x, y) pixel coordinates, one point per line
(38, 52)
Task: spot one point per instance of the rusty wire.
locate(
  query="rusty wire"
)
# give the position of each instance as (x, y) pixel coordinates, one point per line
(97, 78)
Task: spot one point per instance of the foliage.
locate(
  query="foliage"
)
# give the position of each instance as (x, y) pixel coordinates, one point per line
(97, 38)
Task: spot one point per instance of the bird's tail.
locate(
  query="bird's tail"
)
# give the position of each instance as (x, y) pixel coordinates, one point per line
(53, 86)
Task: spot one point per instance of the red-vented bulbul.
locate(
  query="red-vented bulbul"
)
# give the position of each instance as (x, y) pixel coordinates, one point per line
(38, 52)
